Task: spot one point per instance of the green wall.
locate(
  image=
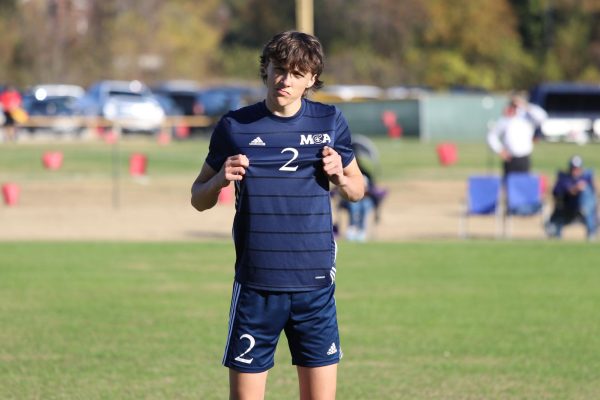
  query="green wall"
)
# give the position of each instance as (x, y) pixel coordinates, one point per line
(435, 117)
(365, 117)
(458, 117)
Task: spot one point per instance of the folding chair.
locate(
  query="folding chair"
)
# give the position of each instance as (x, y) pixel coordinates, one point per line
(483, 198)
(523, 198)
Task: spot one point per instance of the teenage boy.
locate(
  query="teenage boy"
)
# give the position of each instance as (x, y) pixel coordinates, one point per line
(282, 154)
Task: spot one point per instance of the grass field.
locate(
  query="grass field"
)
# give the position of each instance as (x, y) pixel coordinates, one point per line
(400, 159)
(426, 320)
(419, 320)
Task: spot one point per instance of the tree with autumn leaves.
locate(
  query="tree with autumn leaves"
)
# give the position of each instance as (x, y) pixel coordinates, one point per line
(490, 44)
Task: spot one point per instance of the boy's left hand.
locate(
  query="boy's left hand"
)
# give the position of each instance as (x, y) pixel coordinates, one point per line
(332, 165)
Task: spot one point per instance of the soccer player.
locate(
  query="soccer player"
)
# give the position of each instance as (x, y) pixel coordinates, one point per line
(282, 155)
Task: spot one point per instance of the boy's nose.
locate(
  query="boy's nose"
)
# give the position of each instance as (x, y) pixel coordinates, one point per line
(287, 79)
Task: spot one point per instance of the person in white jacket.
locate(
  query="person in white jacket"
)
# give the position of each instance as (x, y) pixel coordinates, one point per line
(513, 135)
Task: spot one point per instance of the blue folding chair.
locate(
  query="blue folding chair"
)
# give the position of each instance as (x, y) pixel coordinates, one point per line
(483, 199)
(523, 198)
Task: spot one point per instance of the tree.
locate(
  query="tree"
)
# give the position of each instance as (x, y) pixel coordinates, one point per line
(79, 42)
(563, 36)
(162, 39)
(473, 44)
(10, 43)
(253, 22)
(366, 40)
(248, 24)
(495, 44)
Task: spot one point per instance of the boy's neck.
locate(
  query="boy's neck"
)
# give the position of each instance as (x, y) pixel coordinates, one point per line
(288, 110)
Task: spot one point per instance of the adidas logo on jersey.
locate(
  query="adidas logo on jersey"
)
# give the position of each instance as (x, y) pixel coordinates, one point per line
(317, 138)
(257, 141)
(332, 350)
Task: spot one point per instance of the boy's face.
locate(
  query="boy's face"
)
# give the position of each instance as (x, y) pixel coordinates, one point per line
(285, 88)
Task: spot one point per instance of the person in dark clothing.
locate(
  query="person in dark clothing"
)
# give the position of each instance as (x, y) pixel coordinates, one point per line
(575, 200)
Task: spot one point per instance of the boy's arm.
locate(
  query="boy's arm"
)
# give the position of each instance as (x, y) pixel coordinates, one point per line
(349, 180)
(208, 184)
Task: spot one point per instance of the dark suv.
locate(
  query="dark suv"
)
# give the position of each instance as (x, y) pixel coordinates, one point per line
(573, 110)
(183, 93)
(218, 100)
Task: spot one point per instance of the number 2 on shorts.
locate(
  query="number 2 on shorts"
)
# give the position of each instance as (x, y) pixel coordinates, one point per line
(241, 358)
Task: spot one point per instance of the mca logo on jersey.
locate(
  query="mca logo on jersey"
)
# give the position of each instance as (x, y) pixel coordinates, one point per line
(316, 138)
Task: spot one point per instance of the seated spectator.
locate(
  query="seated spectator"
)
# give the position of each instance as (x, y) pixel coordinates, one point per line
(360, 211)
(575, 200)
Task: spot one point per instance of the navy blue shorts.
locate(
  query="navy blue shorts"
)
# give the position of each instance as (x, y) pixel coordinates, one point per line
(257, 318)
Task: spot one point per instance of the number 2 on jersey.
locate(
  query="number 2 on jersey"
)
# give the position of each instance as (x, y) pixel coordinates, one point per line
(286, 166)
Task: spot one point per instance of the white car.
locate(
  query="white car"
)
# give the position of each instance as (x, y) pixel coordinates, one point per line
(134, 113)
(130, 104)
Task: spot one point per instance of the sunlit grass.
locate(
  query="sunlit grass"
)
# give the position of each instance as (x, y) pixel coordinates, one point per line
(464, 320)
(399, 159)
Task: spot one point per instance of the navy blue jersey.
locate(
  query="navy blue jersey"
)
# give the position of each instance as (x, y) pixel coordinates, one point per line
(283, 227)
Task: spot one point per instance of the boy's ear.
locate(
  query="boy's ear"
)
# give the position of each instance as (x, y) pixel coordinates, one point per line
(311, 82)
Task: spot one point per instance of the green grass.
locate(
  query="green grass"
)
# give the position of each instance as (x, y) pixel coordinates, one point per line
(454, 320)
(406, 159)
(23, 161)
(400, 159)
(428, 320)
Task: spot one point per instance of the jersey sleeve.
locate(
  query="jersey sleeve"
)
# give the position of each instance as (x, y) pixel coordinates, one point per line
(343, 140)
(220, 145)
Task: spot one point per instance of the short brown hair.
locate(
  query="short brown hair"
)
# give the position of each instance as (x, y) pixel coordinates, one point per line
(294, 51)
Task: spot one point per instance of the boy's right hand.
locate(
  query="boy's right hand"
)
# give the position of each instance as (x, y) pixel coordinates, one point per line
(234, 168)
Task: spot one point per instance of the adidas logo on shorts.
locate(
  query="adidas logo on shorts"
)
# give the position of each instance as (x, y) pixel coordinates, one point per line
(332, 350)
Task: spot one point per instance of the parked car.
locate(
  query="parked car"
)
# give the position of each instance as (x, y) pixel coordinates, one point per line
(57, 105)
(218, 100)
(573, 110)
(176, 123)
(169, 106)
(128, 103)
(182, 92)
(57, 90)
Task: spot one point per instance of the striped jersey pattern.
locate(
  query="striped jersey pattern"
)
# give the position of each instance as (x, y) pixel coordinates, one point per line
(282, 228)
